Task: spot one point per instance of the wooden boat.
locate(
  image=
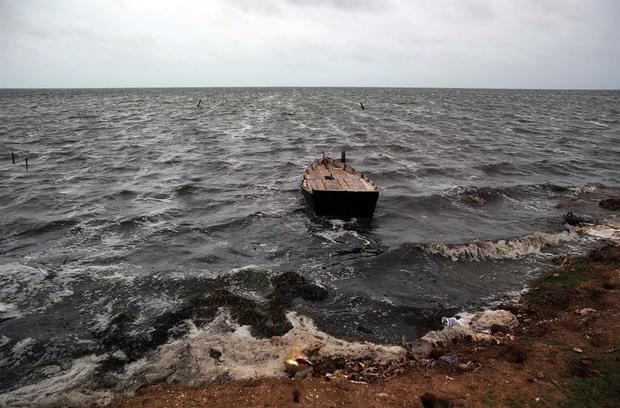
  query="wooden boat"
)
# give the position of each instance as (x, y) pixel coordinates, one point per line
(332, 187)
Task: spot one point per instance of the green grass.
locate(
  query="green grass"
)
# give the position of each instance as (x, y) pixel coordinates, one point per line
(600, 391)
(566, 280)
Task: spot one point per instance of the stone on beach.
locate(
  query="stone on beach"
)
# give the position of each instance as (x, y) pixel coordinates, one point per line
(478, 327)
(484, 321)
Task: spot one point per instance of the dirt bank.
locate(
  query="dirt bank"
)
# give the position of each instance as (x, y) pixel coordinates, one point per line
(564, 351)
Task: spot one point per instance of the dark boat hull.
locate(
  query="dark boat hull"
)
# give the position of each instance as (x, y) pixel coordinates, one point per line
(357, 204)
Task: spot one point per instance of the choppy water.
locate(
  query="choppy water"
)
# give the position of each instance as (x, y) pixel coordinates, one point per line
(136, 201)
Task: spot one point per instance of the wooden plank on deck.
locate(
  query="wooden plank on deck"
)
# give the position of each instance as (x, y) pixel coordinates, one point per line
(368, 186)
(332, 185)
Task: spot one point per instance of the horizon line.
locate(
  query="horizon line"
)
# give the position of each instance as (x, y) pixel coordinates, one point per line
(309, 86)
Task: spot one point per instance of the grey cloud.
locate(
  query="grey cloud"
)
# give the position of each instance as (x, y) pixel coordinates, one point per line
(524, 43)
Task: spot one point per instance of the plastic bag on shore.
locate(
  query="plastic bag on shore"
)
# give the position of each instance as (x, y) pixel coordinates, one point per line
(450, 321)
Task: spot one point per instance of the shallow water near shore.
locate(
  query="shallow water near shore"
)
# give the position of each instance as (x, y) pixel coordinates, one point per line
(137, 201)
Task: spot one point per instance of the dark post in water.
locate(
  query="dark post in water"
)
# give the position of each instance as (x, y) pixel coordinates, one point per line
(362, 105)
(343, 157)
(26, 163)
(198, 106)
(13, 157)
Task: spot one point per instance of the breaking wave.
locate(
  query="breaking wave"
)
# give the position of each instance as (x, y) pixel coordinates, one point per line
(503, 248)
(527, 245)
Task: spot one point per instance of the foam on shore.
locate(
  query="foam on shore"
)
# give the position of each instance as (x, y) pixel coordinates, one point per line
(189, 361)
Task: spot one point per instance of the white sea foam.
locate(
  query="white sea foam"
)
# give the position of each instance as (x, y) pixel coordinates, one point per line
(188, 361)
(24, 287)
(4, 340)
(7, 309)
(607, 230)
(68, 389)
(251, 268)
(338, 235)
(337, 223)
(330, 236)
(360, 237)
(22, 347)
(588, 189)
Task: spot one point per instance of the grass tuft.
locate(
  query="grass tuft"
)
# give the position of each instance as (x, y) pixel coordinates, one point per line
(561, 282)
(597, 392)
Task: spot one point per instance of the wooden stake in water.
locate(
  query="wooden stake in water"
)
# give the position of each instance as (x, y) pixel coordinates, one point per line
(198, 106)
(26, 163)
(362, 105)
(13, 157)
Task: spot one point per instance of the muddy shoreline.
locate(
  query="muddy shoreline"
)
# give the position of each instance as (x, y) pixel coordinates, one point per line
(557, 346)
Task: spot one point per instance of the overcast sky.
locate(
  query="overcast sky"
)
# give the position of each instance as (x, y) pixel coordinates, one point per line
(438, 43)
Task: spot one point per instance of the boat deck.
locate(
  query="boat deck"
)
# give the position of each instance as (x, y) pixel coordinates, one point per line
(333, 175)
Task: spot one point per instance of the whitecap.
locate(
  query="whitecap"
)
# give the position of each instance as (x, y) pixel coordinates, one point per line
(528, 245)
(501, 249)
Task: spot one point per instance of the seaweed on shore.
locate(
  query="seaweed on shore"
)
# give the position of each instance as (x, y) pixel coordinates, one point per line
(265, 320)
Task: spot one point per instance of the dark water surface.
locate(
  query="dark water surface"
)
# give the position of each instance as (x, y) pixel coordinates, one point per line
(138, 201)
